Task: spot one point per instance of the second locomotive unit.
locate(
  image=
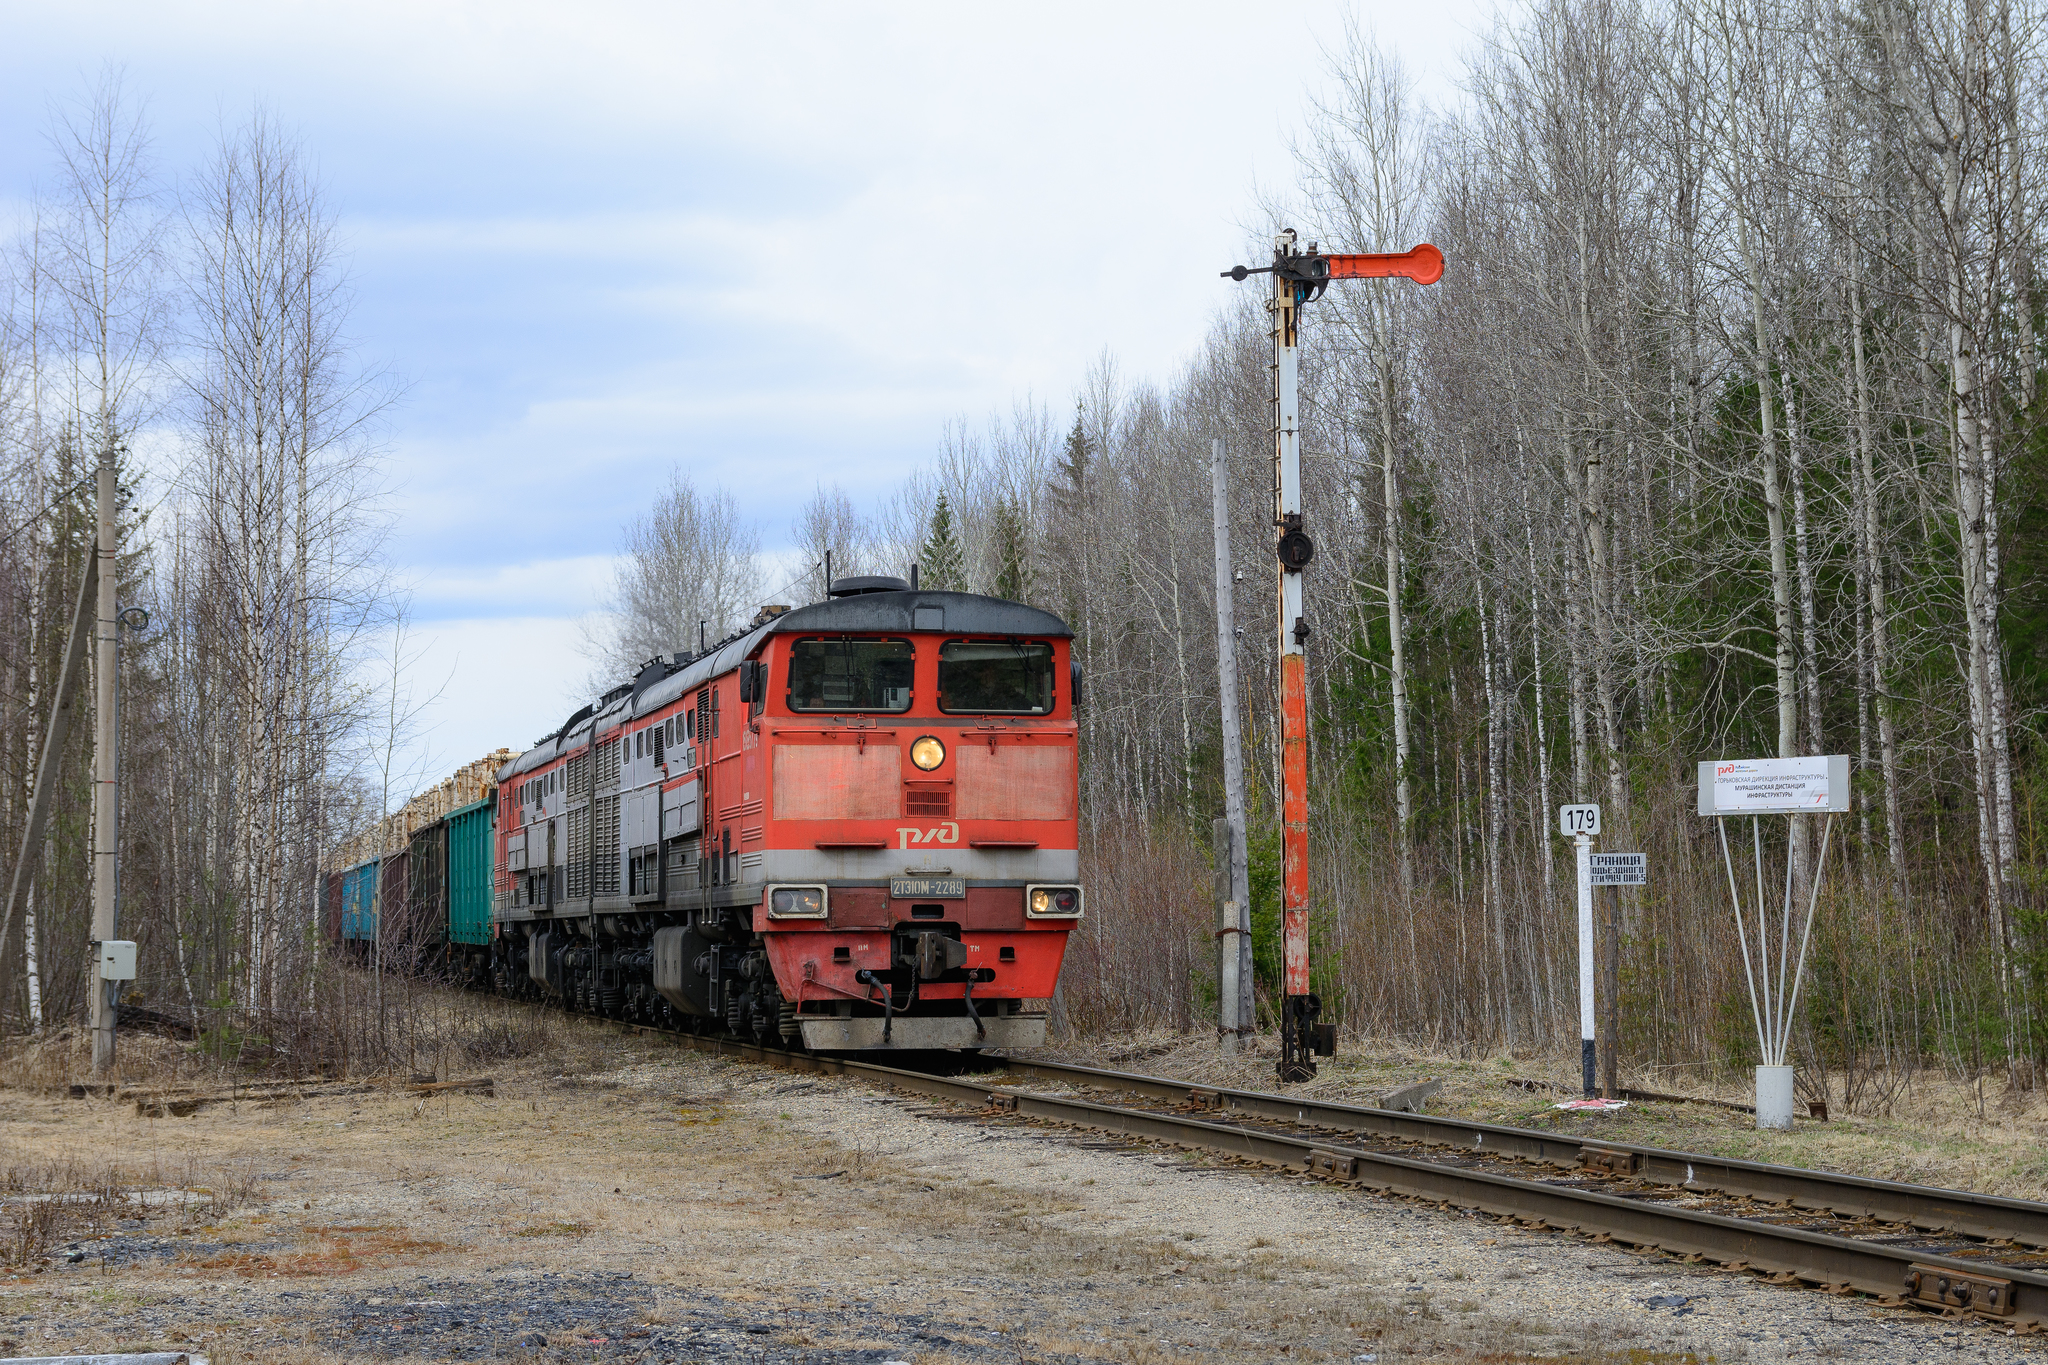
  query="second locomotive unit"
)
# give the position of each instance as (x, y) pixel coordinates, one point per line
(853, 826)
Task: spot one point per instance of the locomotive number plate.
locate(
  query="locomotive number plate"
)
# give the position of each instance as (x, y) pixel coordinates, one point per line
(934, 888)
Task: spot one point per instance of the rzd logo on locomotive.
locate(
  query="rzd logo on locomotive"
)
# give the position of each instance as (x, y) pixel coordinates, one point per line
(948, 833)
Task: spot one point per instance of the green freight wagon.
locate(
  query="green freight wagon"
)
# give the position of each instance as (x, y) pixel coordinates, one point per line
(472, 837)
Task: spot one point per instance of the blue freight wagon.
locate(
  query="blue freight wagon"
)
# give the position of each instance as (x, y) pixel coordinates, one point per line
(359, 903)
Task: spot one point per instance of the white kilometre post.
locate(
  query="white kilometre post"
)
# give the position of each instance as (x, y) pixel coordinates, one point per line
(1586, 1011)
(1582, 823)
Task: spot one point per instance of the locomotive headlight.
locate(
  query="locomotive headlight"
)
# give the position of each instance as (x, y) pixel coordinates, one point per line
(1052, 902)
(927, 753)
(796, 902)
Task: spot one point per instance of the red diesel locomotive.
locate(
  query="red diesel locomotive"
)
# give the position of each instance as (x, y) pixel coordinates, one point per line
(852, 826)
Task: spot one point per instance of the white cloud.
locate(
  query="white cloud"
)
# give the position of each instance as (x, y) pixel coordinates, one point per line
(481, 684)
(781, 245)
(545, 587)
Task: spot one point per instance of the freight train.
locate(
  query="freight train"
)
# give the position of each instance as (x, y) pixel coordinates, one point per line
(852, 826)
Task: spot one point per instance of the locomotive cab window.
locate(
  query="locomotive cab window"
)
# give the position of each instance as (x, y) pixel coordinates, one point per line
(995, 678)
(843, 673)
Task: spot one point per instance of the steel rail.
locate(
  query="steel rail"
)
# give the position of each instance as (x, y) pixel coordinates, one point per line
(1895, 1274)
(1991, 1217)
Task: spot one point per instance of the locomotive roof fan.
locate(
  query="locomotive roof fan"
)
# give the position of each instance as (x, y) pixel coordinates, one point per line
(860, 584)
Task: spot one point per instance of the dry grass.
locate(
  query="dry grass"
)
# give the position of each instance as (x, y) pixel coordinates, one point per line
(61, 1058)
(48, 1202)
(429, 1030)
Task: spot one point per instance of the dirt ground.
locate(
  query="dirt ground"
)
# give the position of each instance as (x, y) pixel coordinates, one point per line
(626, 1200)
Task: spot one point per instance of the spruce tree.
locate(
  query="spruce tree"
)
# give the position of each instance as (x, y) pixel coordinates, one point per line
(942, 568)
(1013, 554)
(1071, 491)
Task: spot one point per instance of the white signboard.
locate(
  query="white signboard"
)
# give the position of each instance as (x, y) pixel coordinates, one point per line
(1775, 786)
(1621, 869)
(1578, 819)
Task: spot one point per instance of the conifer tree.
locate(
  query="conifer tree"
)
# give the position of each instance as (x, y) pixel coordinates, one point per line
(1013, 554)
(942, 568)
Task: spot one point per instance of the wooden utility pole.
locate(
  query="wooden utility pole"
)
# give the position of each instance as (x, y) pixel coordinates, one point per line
(1236, 1019)
(106, 805)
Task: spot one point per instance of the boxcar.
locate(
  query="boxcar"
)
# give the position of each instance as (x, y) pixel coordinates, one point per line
(359, 904)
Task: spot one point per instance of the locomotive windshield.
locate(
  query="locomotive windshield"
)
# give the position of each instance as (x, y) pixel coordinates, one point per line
(995, 678)
(842, 673)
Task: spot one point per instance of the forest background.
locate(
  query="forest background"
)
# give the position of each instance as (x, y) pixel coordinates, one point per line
(1720, 437)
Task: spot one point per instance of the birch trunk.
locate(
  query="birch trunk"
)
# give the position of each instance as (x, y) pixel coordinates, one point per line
(1397, 652)
(1880, 610)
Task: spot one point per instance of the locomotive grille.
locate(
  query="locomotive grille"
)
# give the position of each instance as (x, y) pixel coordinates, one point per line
(579, 853)
(607, 846)
(929, 800)
(608, 762)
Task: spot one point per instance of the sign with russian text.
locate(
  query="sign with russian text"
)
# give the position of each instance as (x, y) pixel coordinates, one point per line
(1775, 786)
(1621, 869)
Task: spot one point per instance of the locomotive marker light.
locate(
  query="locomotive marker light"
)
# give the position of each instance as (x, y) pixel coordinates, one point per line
(1300, 276)
(1756, 787)
(796, 902)
(1053, 902)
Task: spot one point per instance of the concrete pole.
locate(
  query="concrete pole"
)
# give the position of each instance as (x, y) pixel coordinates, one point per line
(106, 771)
(1221, 839)
(1238, 1015)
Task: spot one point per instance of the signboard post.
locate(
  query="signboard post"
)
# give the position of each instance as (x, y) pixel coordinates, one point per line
(1756, 787)
(1582, 823)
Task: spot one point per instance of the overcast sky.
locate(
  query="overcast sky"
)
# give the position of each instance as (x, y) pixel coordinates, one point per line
(781, 244)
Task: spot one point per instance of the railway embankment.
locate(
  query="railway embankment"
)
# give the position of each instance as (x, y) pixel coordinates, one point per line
(1929, 1128)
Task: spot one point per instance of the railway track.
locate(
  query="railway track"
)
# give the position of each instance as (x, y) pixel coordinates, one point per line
(1944, 1250)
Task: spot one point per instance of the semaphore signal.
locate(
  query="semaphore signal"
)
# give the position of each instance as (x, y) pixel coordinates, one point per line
(1300, 276)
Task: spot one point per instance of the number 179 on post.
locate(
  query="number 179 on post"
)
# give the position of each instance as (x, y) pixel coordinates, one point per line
(1578, 819)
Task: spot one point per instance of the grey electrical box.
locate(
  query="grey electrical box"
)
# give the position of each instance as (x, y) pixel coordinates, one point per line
(117, 959)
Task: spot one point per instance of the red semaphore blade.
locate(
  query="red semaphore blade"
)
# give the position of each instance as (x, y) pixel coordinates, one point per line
(1424, 265)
